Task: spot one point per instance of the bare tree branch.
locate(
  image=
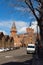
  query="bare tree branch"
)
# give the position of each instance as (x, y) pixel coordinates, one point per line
(32, 9)
(38, 10)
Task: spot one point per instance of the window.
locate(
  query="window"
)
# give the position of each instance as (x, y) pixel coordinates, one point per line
(31, 46)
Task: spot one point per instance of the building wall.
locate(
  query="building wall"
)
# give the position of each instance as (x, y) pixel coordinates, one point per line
(23, 39)
(5, 41)
(18, 39)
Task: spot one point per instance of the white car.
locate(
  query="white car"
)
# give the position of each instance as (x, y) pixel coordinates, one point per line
(31, 48)
(1, 49)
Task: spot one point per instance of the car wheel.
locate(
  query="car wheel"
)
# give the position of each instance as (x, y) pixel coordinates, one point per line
(27, 52)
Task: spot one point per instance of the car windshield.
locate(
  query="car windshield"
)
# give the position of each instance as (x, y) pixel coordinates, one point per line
(31, 46)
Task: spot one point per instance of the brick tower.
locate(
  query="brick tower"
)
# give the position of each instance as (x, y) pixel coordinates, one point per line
(13, 30)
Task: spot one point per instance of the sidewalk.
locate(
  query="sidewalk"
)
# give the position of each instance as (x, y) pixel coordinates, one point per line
(37, 61)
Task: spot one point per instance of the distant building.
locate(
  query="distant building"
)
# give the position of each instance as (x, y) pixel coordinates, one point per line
(22, 39)
(6, 41)
(13, 33)
(17, 40)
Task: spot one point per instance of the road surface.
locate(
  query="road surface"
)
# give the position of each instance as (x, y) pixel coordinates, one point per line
(18, 55)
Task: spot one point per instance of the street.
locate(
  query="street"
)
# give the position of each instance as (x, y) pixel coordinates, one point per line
(18, 55)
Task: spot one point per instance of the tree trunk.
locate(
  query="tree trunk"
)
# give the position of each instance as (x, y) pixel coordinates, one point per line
(41, 23)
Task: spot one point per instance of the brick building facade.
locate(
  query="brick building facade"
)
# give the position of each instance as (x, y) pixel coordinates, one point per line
(22, 39)
(17, 40)
(6, 41)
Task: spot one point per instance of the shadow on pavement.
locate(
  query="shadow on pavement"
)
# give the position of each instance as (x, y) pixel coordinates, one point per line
(29, 62)
(34, 61)
(41, 56)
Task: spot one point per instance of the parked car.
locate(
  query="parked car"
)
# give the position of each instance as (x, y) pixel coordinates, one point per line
(31, 48)
(1, 49)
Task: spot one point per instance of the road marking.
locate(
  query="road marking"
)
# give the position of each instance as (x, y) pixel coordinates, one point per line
(8, 56)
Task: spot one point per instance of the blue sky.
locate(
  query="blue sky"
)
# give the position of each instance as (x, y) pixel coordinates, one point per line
(9, 14)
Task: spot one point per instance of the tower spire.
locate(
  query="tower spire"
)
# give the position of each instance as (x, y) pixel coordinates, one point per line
(13, 25)
(13, 30)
